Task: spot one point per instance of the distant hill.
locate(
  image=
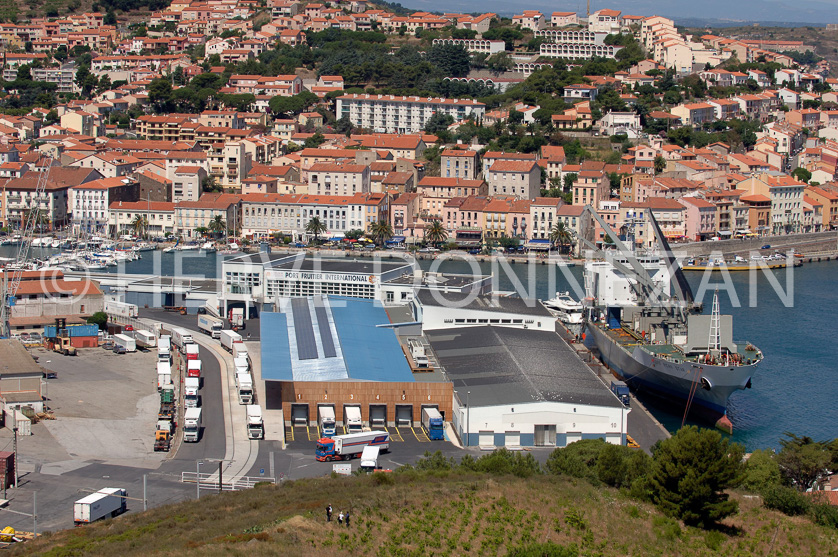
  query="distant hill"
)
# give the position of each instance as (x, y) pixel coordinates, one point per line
(442, 513)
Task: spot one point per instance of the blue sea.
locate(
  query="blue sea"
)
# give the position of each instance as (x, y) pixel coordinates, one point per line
(794, 390)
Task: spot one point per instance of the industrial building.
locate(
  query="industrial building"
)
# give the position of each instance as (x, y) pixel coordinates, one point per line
(524, 388)
(342, 352)
(21, 382)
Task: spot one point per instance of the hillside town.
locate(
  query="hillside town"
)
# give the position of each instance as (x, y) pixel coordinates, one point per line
(228, 111)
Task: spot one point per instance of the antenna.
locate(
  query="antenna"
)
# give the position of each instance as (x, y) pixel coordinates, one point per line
(589, 8)
(714, 342)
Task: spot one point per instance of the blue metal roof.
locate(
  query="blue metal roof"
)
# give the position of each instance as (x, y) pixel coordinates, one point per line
(276, 352)
(342, 340)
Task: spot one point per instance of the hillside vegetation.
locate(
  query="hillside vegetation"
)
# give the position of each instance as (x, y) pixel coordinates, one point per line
(441, 513)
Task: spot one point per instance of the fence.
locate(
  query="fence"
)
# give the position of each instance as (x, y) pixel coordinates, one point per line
(209, 481)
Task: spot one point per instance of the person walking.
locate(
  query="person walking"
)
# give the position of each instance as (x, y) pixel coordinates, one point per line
(328, 513)
(347, 519)
(340, 518)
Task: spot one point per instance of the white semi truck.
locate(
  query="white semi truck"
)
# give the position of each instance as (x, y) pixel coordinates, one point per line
(191, 386)
(120, 309)
(255, 425)
(229, 338)
(164, 374)
(327, 420)
(107, 502)
(181, 338)
(164, 349)
(210, 325)
(244, 387)
(353, 419)
(192, 425)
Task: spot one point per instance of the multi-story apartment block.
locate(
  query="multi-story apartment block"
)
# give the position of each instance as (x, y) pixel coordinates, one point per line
(456, 163)
(520, 179)
(187, 183)
(338, 178)
(200, 213)
(159, 216)
(89, 202)
(229, 163)
(53, 202)
(695, 114)
(590, 188)
(608, 21)
(392, 114)
(543, 216)
(475, 45)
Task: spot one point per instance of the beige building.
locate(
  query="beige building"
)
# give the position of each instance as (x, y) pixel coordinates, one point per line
(590, 188)
(455, 163)
(521, 179)
(159, 215)
(191, 215)
(338, 178)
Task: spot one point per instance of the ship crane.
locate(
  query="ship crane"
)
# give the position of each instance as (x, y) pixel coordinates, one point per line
(11, 284)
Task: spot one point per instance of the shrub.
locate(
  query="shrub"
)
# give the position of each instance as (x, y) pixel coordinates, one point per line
(787, 500)
(825, 515)
(714, 539)
(578, 459)
(761, 472)
(503, 461)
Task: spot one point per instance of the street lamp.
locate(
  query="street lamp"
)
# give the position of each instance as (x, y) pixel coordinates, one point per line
(468, 419)
(198, 478)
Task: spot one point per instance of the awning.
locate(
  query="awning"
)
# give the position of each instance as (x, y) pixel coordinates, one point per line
(396, 240)
(725, 233)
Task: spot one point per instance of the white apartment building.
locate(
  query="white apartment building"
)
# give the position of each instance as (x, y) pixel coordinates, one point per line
(338, 178)
(608, 21)
(394, 114)
(160, 216)
(578, 50)
(543, 216)
(89, 202)
(229, 162)
(475, 45)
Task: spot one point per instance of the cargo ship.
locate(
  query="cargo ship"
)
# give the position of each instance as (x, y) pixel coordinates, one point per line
(642, 318)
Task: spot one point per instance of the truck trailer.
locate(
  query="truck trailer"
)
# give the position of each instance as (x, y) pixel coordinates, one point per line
(192, 425)
(120, 309)
(621, 391)
(128, 343)
(164, 374)
(326, 419)
(236, 316)
(346, 447)
(145, 339)
(181, 338)
(191, 386)
(433, 424)
(229, 338)
(239, 351)
(244, 388)
(369, 458)
(353, 419)
(192, 352)
(255, 425)
(164, 349)
(193, 368)
(110, 501)
(210, 325)
(241, 364)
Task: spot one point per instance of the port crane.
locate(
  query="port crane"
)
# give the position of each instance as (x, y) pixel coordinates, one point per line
(12, 283)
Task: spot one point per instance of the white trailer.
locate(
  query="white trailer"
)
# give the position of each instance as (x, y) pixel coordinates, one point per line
(164, 349)
(126, 342)
(229, 338)
(353, 419)
(110, 501)
(236, 316)
(345, 447)
(164, 374)
(327, 420)
(369, 458)
(241, 364)
(255, 425)
(120, 309)
(191, 386)
(210, 325)
(239, 350)
(192, 425)
(145, 339)
(181, 338)
(244, 387)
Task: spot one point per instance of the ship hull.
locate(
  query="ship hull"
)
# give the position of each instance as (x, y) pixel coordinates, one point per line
(673, 381)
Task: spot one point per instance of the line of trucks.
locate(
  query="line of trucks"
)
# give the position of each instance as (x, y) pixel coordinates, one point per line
(233, 343)
(432, 421)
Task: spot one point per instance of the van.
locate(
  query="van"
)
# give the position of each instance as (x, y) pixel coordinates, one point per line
(369, 458)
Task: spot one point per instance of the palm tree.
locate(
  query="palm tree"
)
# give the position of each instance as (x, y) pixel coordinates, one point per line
(381, 231)
(217, 225)
(317, 227)
(436, 233)
(139, 225)
(560, 235)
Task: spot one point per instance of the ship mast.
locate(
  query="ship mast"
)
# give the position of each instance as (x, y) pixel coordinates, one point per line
(714, 342)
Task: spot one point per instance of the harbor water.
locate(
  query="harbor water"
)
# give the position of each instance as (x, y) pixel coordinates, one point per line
(794, 389)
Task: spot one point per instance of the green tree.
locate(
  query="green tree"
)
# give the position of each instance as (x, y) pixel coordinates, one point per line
(381, 231)
(436, 233)
(139, 225)
(160, 95)
(453, 60)
(690, 473)
(660, 164)
(802, 174)
(761, 472)
(217, 225)
(316, 140)
(803, 461)
(579, 460)
(438, 123)
(99, 318)
(23, 73)
(316, 227)
(560, 235)
(110, 18)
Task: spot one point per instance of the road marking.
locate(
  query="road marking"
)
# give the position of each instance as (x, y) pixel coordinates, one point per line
(420, 438)
(399, 433)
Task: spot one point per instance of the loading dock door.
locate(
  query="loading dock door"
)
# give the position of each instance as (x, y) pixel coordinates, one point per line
(486, 439)
(404, 415)
(299, 414)
(614, 438)
(512, 439)
(545, 435)
(378, 415)
(572, 437)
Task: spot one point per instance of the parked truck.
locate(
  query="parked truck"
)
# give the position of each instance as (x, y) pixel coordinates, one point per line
(193, 369)
(255, 425)
(191, 386)
(244, 387)
(353, 419)
(229, 338)
(163, 436)
(145, 339)
(192, 425)
(210, 325)
(369, 458)
(346, 447)
(192, 351)
(433, 424)
(164, 374)
(164, 349)
(236, 316)
(621, 390)
(242, 364)
(120, 309)
(327, 420)
(181, 338)
(110, 501)
(128, 343)
(239, 350)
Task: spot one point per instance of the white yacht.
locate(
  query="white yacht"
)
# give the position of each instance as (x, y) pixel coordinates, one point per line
(567, 309)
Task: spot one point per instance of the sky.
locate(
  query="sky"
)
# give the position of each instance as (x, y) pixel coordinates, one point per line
(790, 11)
